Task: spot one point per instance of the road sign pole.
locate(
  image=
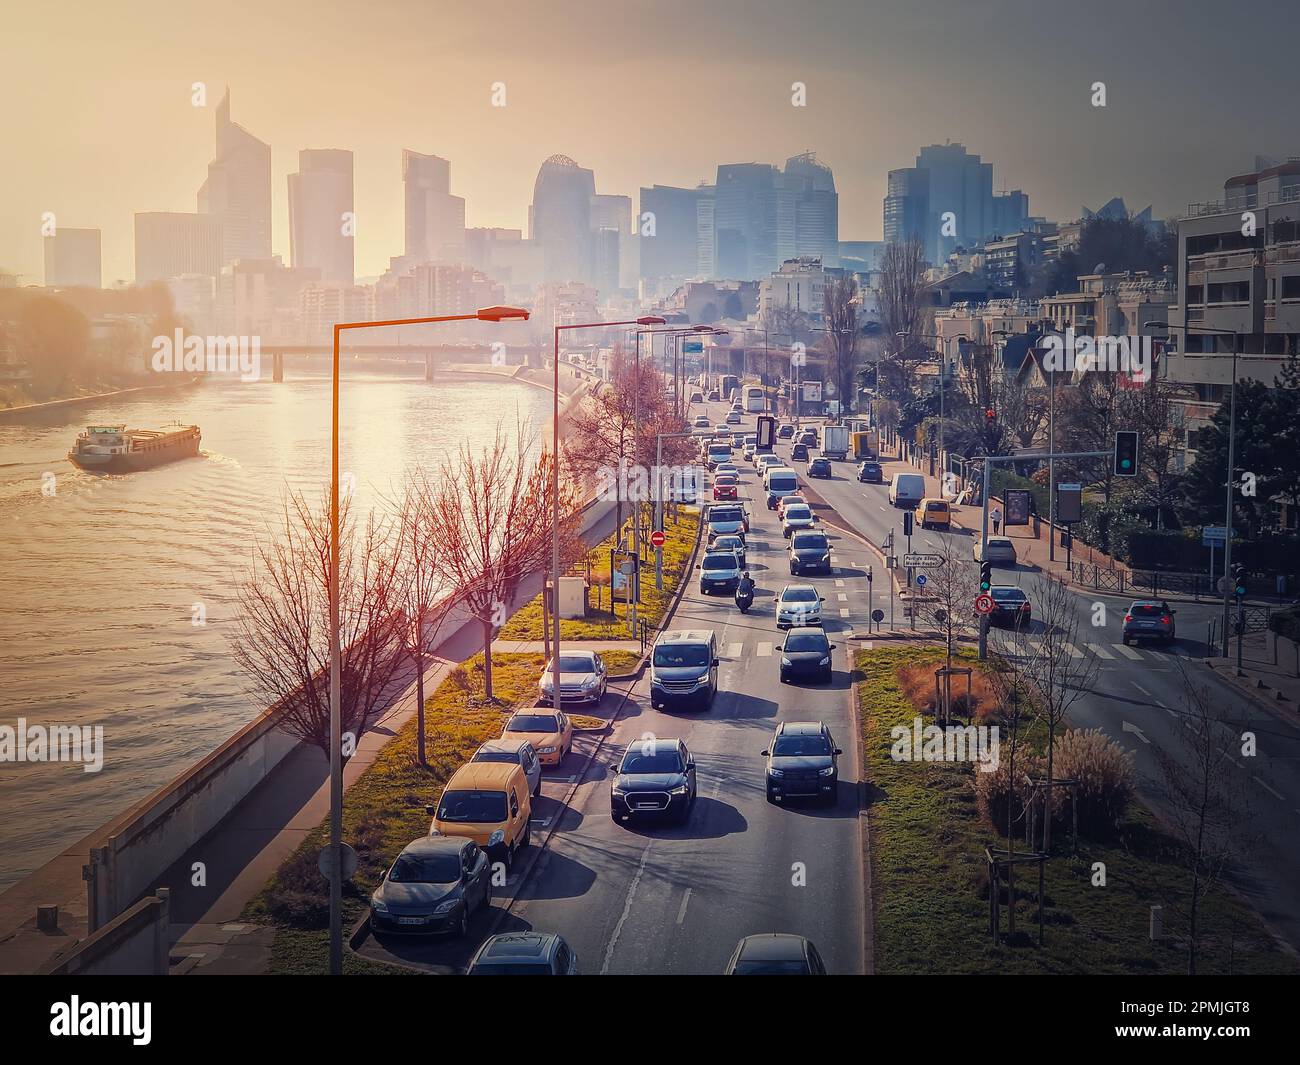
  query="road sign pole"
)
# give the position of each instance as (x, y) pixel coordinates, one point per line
(984, 637)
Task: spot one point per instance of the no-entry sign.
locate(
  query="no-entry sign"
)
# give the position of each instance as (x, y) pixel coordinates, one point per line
(657, 538)
(983, 604)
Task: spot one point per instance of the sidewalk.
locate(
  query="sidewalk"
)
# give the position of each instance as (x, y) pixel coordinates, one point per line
(1270, 673)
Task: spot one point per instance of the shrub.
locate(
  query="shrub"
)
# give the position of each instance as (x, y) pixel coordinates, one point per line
(995, 795)
(1105, 774)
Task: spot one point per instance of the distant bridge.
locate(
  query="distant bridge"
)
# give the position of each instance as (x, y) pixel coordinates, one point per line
(430, 354)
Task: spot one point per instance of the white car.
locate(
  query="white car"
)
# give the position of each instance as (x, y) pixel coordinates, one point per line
(798, 604)
(733, 417)
(796, 516)
(748, 451)
(766, 460)
(726, 467)
(701, 421)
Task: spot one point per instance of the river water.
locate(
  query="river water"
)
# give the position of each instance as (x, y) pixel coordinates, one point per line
(100, 576)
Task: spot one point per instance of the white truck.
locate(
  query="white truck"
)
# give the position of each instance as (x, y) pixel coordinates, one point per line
(835, 442)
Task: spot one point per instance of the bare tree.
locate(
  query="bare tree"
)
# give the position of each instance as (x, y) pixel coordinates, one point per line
(841, 337)
(952, 587)
(281, 637)
(1207, 805)
(902, 311)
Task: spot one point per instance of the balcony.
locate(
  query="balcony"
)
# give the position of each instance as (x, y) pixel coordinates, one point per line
(1240, 260)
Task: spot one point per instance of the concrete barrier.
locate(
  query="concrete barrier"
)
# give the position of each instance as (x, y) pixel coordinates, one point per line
(135, 943)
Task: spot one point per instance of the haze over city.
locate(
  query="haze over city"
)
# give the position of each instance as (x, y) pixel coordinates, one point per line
(641, 93)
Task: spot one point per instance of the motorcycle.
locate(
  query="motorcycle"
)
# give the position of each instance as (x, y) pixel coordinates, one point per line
(744, 599)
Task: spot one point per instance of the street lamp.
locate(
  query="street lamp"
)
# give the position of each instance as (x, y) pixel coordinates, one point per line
(943, 375)
(484, 314)
(1232, 459)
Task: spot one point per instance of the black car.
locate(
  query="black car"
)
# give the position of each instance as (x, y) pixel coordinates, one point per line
(819, 468)
(435, 885)
(802, 762)
(655, 777)
(785, 432)
(808, 438)
(799, 453)
(775, 955)
(806, 653)
(810, 552)
(871, 473)
(1010, 607)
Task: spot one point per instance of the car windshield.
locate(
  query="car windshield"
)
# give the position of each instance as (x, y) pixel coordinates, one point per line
(769, 967)
(801, 745)
(496, 756)
(799, 595)
(720, 561)
(726, 479)
(798, 511)
(813, 542)
(576, 664)
(638, 761)
(488, 807)
(426, 868)
(721, 514)
(533, 723)
(1006, 594)
(1146, 610)
(682, 654)
(807, 641)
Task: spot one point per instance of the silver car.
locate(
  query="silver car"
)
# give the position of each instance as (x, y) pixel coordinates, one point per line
(582, 679)
(798, 604)
(1000, 551)
(513, 752)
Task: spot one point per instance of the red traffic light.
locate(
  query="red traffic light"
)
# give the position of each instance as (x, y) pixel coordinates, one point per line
(990, 413)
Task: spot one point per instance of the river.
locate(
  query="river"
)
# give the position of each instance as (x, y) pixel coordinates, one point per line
(101, 575)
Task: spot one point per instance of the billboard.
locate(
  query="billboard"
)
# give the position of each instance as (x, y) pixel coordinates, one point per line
(811, 391)
(1069, 503)
(1017, 502)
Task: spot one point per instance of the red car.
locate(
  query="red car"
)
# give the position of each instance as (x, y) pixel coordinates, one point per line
(724, 487)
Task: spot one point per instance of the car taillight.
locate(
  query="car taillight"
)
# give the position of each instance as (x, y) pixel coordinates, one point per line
(1164, 621)
(1128, 617)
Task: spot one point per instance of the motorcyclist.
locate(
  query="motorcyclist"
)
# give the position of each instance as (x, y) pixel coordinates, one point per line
(744, 590)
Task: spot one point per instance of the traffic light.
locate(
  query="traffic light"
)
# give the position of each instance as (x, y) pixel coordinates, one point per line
(986, 576)
(907, 523)
(990, 415)
(1126, 453)
(1239, 581)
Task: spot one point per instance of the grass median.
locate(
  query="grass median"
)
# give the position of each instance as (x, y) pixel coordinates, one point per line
(930, 880)
(606, 622)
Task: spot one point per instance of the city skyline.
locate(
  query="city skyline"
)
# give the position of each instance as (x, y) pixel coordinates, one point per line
(631, 134)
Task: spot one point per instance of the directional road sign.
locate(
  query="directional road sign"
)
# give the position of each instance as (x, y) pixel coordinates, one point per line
(913, 559)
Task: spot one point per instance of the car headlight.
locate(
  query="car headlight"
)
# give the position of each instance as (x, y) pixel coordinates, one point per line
(446, 907)
(826, 557)
(545, 750)
(825, 661)
(378, 904)
(679, 791)
(497, 837)
(776, 773)
(617, 793)
(785, 661)
(829, 771)
(591, 685)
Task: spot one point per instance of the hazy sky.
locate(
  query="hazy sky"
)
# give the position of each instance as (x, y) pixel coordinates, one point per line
(97, 121)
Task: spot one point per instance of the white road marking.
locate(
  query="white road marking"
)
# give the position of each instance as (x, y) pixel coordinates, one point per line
(734, 649)
(763, 650)
(627, 908)
(1074, 652)
(559, 780)
(839, 583)
(1100, 651)
(841, 598)
(1275, 794)
(844, 611)
(681, 914)
(1127, 651)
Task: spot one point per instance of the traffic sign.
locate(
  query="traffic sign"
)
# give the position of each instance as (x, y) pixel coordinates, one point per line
(325, 863)
(657, 538)
(983, 604)
(1214, 535)
(913, 559)
(920, 579)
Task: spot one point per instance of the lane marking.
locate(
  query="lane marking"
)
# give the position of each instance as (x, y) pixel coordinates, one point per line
(839, 583)
(1101, 651)
(681, 914)
(1261, 783)
(1074, 651)
(763, 650)
(841, 598)
(734, 649)
(1127, 651)
(627, 908)
(844, 611)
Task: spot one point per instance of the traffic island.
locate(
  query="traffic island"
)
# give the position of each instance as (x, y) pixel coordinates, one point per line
(930, 836)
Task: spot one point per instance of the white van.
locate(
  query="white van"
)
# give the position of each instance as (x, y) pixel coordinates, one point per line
(906, 490)
(779, 482)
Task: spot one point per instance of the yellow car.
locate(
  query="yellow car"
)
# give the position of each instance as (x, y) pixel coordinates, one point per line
(488, 802)
(934, 513)
(550, 733)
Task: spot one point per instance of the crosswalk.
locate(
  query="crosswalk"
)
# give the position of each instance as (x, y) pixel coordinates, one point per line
(1007, 644)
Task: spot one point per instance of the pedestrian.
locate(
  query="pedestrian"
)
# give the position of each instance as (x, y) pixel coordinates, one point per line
(997, 519)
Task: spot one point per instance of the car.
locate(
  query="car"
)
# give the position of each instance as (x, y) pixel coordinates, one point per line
(582, 679)
(721, 430)
(810, 552)
(684, 670)
(726, 467)
(737, 439)
(806, 653)
(701, 421)
(551, 733)
(871, 473)
(733, 417)
(732, 543)
(719, 571)
(779, 482)
(517, 752)
(762, 462)
(775, 954)
(714, 396)
(1000, 551)
(802, 759)
(725, 486)
(785, 432)
(798, 605)
(786, 501)
(799, 453)
(748, 451)
(934, 513)
(524, 954)
(726, 518)
(435, 885)
(655, 777)
(1011, 607)
(819, 467)
(717, 452)
(697, 397)
(1149, 619)
(796, 516)
(807, 438)
(906, 490)
(488, 802)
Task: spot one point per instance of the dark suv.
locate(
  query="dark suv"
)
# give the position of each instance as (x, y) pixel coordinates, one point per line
(802, 762)
(684, 670)
(810, 552)
(655, 776)
(1149, 619)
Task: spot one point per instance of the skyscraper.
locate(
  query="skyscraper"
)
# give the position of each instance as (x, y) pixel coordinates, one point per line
(320, 213)
(745, 220)
(238, 189)
(560, 218)
(435, 219)
(810, 186)
(72, 259)
(172, 243)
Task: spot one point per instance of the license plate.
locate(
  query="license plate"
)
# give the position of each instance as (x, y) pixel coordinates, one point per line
(647, 806)
(410, 920)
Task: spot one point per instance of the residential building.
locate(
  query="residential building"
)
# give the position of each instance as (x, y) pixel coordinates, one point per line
(799, 285)
(172, 243)
(237, 191)
(72, 259)
(321, 304)
(435, 288)
(321, 216)
(564, 303)
(262, 297)
(506, 256)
